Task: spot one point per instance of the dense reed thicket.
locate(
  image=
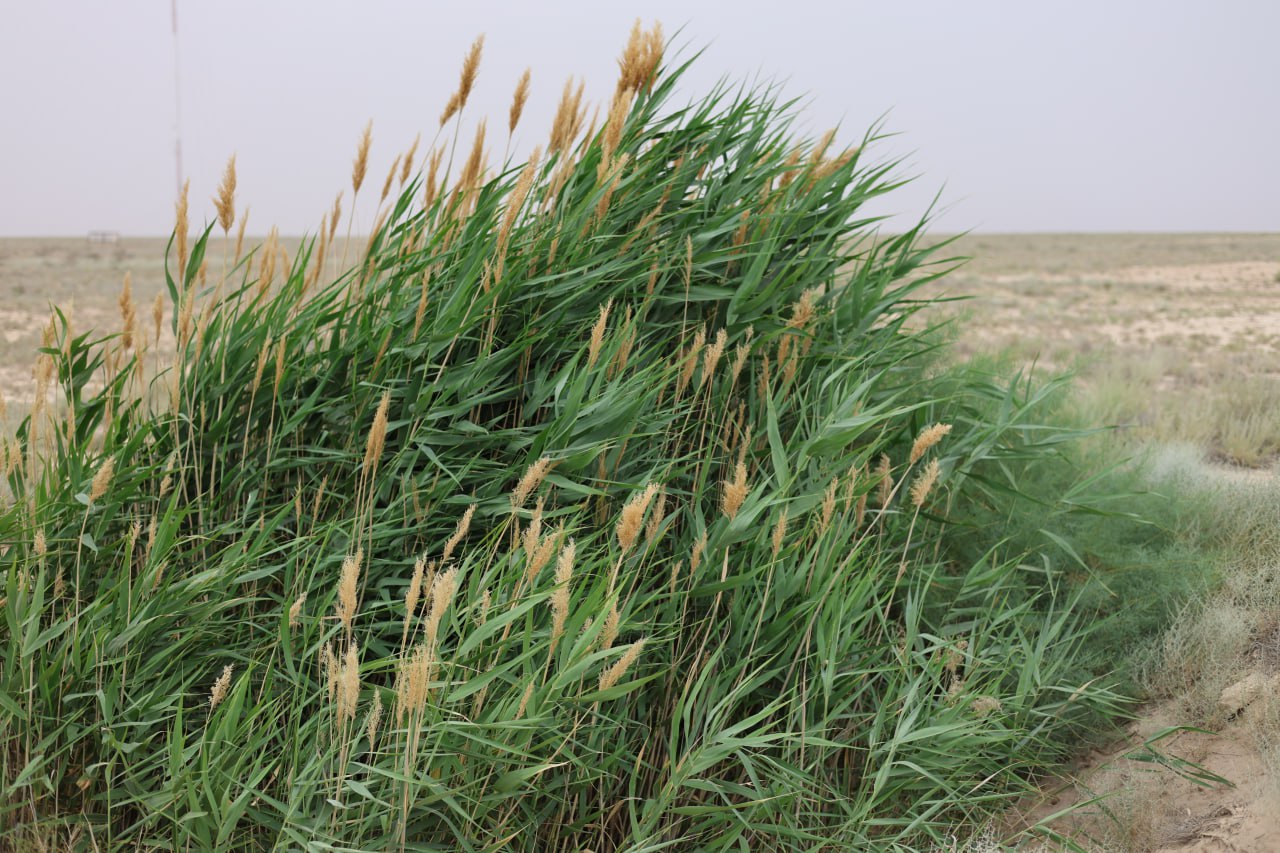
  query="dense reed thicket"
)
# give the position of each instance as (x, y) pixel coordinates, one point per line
(603, 501)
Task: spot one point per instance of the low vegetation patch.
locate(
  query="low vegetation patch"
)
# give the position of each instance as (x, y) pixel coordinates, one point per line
(605, 500)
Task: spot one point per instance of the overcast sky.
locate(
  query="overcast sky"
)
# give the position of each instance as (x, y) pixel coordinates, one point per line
(1089, 115)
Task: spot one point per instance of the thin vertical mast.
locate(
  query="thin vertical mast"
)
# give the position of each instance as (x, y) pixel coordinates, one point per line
(177, 102)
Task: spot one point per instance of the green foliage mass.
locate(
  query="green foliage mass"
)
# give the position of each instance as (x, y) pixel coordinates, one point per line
(830, 657)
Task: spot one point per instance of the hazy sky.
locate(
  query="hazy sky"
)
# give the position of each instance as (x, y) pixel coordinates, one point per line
(1089, 115)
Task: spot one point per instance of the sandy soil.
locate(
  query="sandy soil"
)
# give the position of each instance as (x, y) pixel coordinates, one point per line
(1234, 807)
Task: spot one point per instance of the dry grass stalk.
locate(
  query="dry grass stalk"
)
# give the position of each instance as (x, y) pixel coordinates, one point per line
(529, 483)
(225, 201)
(560, 597)
(928, 437)
(613, 674)
(360, 165)
(347, 583)
(518, 101)
(924, 483)
(459, 533)
(597, 334)
(735, 492)
(220, 688)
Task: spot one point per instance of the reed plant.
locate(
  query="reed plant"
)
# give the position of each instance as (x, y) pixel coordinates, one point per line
(604, 500)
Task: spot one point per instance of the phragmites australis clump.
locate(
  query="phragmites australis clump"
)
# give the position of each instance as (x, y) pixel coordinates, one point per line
(613, 674)
(225, 201)
(413, 682)
(928, 437)
(347, 588)
(102, 479)
(631, 520)
(518, 101)
(459, 533)
(360, 165)
(735, 492)
(924, 483)
(220, 688)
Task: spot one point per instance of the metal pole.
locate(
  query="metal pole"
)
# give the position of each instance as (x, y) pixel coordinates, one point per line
(177, 102)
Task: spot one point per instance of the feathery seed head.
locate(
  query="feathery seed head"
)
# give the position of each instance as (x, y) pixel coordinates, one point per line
(295, 610)
(40, 545)
(928, 437)
(735, 492)
(654, 524)
(225, 201)
(361, 162)
(614, 674)
(180, 231)
(412, 594)
(924, 483)
(220, 688)
(712, 356)
(391, 176)
(780, 532)
(459, 533)
(518, 101)
(695, 558)
(597, 334)
(884, 473)
(347, 588)
(529, 483)
(375, 718)
(348, 692)
(377, 433)
(102, 479)
(828, 506)
(632, 518)
(406, 162)
(609, 632)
